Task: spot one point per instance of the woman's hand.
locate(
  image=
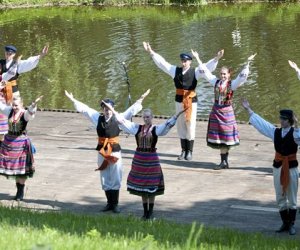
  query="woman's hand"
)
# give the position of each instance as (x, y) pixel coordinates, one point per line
(107, 105)
(220, 54)
(293, 65)
(147, 47)
(181, 112)
(44, 51)
(250, 58)
(144, 95)
(196, 55)
(69, 95)
(37, 100)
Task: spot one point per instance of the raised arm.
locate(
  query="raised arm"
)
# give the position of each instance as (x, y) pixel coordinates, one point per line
(262, 126)
(136, 107)
(31, 111)
(164, 128)
(160, 61)
(243, 75)
(31, 62)
(295, 67)
(203, 71)
(212, 64)
(296, 133)
(91, 114)
(5, 109)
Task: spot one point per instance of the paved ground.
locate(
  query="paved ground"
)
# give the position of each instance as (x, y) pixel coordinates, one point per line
(241, 197)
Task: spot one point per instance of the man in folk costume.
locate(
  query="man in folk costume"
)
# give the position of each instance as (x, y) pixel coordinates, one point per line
(285, 166)
(11, 89)
(185, 79)
(109, 156)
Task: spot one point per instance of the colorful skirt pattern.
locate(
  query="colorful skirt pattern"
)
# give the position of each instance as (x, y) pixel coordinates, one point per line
(3, 118)
(222, 127)
(145, 177)
(16, 158)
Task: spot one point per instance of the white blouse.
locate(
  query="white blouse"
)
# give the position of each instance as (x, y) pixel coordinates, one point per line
(29, 114)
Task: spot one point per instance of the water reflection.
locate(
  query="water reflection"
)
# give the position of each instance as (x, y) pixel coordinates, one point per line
(88, 46)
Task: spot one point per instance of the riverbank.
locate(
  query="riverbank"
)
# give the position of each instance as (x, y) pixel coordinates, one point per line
(46, 3)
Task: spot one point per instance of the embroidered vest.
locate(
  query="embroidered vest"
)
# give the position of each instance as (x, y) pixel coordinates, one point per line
(223, 96)
(18, 126)
(146, 141)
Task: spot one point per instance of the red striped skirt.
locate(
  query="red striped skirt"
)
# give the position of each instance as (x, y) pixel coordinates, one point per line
(16, 158)
(222, 127)
(145, 177)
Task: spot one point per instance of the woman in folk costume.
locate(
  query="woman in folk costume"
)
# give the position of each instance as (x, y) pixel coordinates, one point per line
(222, 127)
(295, 67)
(146, 177)
(5, 77)
(185, 80)
(16, 158)
(109, 156)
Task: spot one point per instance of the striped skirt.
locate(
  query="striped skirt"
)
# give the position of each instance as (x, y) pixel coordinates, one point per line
(3, 124)
(145, 177)
(16, 157)
(222, 127)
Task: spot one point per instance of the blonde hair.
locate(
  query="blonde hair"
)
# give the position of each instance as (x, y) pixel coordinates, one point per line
(147, 111)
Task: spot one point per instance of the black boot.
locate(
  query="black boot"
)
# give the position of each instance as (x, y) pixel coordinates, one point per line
(115, 201)
(145, 206)
(189, 150)
(226, 159)
(292, 218)
(20, 192)
(183, 143)
(223, 163)
(108, 206)
(284, 214)
(150, 211)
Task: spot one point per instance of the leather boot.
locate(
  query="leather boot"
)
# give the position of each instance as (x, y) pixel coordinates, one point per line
(223, 163)
(145, 206)
(108, 206)
(150, 211)
(20, 192)
(226, 159)
(115, 201)
(183, 143)
(292, 218)
(284, 214)
(189, 150)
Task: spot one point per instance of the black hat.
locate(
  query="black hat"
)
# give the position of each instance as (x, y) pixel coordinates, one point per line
(10, 48)
(108, 101)
(185, 56)
(286, 114)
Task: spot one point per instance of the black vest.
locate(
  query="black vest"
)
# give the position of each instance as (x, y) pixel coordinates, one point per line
(187, 81)
(17, 128)
(154, 137)
(285, 146)
(108, 129)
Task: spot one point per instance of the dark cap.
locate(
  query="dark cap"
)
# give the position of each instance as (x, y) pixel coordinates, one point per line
(10, 48)
(107, 100)
(185, 56)
(286, 114)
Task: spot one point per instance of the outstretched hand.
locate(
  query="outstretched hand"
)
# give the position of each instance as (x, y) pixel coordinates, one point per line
(37, 100)
(196, 55)
(250, 58)
(220, 54)
(69, 95)
(144, 95)
(147, 47)
(245, 103)
(44, 51)
(293, 65)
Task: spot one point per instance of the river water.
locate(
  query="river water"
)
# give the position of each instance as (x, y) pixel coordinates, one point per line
(89, 44)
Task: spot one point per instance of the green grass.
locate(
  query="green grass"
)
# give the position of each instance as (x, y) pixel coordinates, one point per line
(24, 229)
(20, 3)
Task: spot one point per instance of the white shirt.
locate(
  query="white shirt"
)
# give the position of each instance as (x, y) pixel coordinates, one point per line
(268, 129)
(29, 114)
(171, 69)
(25, 65)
